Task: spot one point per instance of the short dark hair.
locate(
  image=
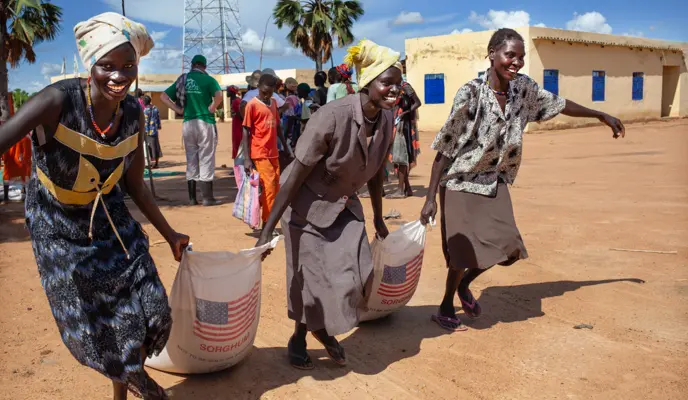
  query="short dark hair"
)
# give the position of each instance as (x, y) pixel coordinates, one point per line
(147, 100)
(303, 89)
(268, 80)
(139, 92)
(333, 74)
(320, 78)
(500, 37)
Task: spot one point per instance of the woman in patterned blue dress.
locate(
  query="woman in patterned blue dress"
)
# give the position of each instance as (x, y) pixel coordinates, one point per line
(93, 256)
(153, 127)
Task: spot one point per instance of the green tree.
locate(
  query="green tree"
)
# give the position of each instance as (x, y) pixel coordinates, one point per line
(315, 24)
(19, 97)
(23, 24)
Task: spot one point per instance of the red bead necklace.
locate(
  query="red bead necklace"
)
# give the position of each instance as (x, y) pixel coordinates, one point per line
(102, 133)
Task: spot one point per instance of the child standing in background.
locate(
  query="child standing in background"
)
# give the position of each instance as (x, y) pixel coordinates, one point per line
(261, 129)
(152, 127)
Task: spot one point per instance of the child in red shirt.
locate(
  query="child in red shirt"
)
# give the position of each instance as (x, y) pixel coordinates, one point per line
(261, 130)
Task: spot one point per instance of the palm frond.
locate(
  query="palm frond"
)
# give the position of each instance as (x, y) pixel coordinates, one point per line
(31, 22)
(315, 24)
(287, 12)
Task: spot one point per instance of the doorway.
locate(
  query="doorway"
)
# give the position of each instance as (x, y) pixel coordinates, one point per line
(670, 78)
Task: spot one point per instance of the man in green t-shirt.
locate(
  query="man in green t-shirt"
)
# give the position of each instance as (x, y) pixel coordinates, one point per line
(197, 95)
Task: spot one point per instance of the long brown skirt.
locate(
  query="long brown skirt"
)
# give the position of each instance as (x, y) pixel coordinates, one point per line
(479, 231)
(327, 270)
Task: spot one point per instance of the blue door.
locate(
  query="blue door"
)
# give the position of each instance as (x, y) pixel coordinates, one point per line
(434, 89)
(598, 85)
(551, 80)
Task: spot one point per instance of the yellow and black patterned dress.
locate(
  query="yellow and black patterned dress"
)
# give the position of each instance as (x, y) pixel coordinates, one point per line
(92, 255)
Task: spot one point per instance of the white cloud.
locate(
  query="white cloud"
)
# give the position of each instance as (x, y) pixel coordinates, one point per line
(252, 42)
(540, 25)
(589, 22)
(159, 35)
(162, 60)
(408, 18)
(501, 19)
(458, 32)
(48, 70)
(634, 33)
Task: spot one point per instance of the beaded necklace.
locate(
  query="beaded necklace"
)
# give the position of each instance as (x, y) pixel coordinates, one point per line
(102, 133)
(493, 90)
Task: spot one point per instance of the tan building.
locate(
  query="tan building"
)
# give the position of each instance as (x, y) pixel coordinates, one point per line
(631, 78)
(154, 84)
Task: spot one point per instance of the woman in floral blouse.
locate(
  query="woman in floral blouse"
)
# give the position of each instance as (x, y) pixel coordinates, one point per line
(478, 155)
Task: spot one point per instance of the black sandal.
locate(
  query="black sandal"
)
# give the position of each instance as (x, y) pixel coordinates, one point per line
(335, 353)
(153, 390)
(299, 361)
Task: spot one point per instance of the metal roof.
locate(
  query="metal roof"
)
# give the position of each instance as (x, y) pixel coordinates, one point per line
(603, 43)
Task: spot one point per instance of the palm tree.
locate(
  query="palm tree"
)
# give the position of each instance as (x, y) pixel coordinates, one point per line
(315, 24)
(23, 24)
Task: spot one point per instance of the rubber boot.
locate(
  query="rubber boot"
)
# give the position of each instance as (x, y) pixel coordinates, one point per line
(6, 193)
(192, 193)
(207, 193)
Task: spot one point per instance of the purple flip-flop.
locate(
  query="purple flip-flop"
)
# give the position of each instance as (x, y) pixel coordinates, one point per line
(472, 307)
(448, 323)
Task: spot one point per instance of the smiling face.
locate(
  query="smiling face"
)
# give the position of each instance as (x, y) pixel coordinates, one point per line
(508, 58)
(385, 89)
(114, 73)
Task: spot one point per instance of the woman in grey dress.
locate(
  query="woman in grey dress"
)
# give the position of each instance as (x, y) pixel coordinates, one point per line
(328, 257)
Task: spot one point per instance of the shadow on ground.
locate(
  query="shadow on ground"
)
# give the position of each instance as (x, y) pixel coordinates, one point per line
(267, 368)
(506, 304)
(12, 222)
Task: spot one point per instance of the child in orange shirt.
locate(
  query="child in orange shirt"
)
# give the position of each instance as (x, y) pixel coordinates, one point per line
(261, 130)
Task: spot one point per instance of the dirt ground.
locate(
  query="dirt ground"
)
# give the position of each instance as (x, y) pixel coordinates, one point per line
(579, 194)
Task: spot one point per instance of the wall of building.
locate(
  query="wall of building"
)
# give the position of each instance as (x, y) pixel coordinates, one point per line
(576, 62)
(461, 57)
(458, 57)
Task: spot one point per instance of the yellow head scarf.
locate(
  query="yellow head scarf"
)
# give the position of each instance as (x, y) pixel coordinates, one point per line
(370, 60)
(101, 34)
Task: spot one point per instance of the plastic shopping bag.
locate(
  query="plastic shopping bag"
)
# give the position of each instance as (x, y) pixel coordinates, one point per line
(215, 301)
(397, 263)
(247, 203)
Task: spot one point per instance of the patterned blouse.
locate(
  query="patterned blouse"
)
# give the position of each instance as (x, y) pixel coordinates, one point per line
(152, 120)
(483, 142)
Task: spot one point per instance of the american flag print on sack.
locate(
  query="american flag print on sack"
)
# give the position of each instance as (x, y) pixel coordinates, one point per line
(402, 280)
(218, 321)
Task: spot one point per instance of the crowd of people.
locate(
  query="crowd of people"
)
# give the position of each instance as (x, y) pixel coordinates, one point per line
(88, 138)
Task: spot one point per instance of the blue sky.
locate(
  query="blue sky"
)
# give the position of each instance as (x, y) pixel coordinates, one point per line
(387, 22)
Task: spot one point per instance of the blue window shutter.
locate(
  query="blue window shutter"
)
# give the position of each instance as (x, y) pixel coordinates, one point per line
(638, 78)
(551, 80)
(434, 89)
(598, 85)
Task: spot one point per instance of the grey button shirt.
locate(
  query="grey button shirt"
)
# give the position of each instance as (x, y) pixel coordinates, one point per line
(335, 143)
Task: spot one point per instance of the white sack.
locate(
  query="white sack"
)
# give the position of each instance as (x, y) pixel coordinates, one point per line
(397, 263)
(215, 303)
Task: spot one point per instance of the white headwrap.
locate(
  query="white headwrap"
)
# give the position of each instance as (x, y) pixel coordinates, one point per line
(103, 33)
